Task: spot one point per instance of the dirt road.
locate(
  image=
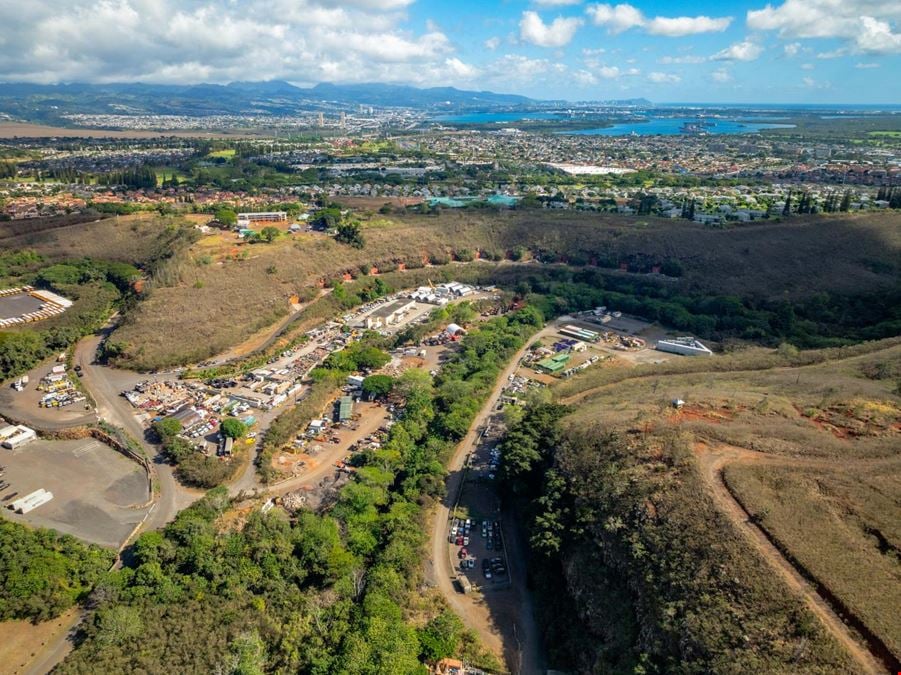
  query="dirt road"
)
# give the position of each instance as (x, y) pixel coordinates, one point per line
(325, 465)
(711, 462)
(519, 644)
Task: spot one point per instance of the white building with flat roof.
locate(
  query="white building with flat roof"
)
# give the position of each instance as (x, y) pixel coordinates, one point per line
(245, 219)
(15, 436)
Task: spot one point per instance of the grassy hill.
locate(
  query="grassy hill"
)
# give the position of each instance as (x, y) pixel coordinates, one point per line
(219, 292)
(655, 511)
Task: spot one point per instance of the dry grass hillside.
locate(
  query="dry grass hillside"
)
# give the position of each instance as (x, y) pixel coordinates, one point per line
(844, 253)
(127, 238)
(810, 453)
(221, 292)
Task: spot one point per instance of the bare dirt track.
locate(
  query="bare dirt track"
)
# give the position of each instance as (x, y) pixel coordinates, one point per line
(872, 657)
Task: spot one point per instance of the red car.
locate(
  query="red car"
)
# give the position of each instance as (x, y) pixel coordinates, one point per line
(463, 553)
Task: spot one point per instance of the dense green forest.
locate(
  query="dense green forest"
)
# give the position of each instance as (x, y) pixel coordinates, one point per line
(43, 573)
(656, 581)
(822, 320)
(327, 592)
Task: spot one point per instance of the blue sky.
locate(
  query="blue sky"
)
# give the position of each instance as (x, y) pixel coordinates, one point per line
(803, 51)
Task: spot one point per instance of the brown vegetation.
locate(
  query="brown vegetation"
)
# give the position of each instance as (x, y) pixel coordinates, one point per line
(815, 462)
(221, 291)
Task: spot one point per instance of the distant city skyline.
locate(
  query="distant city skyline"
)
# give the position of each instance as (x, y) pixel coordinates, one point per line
(789, 51)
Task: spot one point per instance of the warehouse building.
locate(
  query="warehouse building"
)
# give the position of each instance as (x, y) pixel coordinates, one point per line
(553, 365)
(389, 314)
(15, 436)
(686, 346)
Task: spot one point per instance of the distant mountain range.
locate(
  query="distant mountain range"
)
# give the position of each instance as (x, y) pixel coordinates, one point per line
(49, 102)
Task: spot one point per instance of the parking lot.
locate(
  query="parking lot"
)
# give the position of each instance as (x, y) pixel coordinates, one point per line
(475, 535)
(98, 494)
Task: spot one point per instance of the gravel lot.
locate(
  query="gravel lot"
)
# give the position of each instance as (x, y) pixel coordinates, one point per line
(97, 492)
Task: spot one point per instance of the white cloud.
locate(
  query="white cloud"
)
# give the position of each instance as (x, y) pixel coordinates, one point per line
(609, 72)
(492, 43)
(877, 37)
(622, 17)
(664, 78)
(792, 49)
(834, 54)
(688, 58)
(740, 51)
(721, 75)
(865, 25)
(807, 66)
(866, 66)
(460, 70)
(617, 18)
(556, 3)
(220, 41)
(585, 78)
(810, 83)
(517, 69)
(557, 33)
(687, 25)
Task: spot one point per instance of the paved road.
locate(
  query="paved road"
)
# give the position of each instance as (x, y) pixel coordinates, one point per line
(519, 644)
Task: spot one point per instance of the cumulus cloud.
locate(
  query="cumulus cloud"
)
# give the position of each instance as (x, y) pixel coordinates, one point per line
(622, 17)
(687, 25)
(740, 51)
(866, 66)
(721, 75)
(220, 41)
(492, 43)
(866, 25)
(516, 69)
(557, 33)
(616, 18)
(810, 83)
(460, 70)
(664, 78)
(688, 58)
(792, 49)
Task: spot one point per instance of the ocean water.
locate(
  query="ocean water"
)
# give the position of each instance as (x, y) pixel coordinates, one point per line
(665, 126)
(672, 126)
(494, 117)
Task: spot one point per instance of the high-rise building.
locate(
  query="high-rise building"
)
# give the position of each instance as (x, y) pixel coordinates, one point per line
(321, 120)
(343, 119)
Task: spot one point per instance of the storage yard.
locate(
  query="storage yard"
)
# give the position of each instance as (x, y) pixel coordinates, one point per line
(89, 490)
(47, 398)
